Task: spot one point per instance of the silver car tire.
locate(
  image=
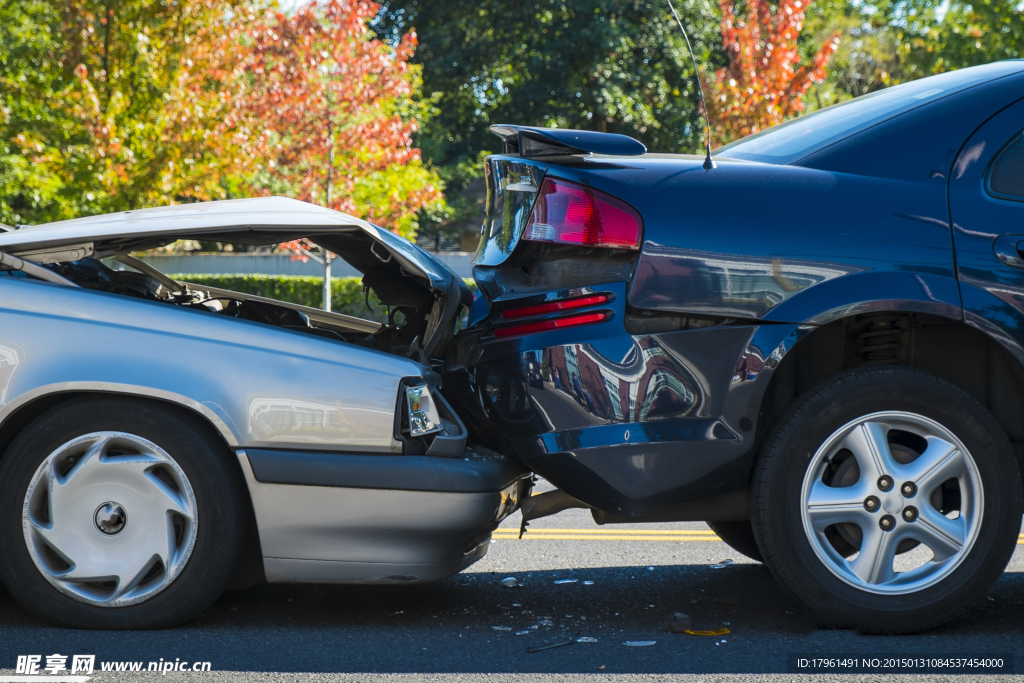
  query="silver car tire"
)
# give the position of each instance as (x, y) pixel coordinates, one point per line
(118, 513)
(886, 499)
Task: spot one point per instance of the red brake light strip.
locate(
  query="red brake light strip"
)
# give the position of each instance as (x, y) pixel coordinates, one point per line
(554, 306)
(545, 325)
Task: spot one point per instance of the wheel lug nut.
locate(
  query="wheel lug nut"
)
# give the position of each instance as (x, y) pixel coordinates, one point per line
(871, 503)
(887, 523)
(910, 513)
(908, 489)
(885, 482)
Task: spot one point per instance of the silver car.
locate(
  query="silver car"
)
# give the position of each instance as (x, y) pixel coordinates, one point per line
(162, 440)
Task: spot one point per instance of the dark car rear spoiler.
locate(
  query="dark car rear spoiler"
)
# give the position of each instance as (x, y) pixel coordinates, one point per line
(532, 141)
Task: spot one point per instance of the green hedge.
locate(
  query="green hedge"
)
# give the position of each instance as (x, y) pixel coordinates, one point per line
(347, 294)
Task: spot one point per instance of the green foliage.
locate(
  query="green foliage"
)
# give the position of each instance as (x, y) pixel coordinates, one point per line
(82, 99)
(885, 42)
(941, 35)
(347, 295)
(31, 126)
(458, 209)
(609, 65)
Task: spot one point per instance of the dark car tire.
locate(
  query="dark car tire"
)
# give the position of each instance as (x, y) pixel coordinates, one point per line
(739, 536)
(189, 473)
(799, 559)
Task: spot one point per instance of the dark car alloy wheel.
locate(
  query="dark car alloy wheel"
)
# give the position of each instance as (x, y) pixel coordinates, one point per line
(887, 499)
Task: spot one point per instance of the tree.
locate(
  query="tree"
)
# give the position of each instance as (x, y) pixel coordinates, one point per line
(764, 82)
(612, 65)
(312, 105)
(83, 86)
(941, 35)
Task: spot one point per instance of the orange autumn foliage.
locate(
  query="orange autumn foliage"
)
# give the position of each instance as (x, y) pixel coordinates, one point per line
(764, 82)
(311, 105)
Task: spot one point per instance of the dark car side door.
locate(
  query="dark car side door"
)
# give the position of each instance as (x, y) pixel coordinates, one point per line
(986, 200)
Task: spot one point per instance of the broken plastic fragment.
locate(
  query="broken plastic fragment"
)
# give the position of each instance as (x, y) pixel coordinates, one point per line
(521, 633)
(502, 628)
(639, 643)
(720, 565)
(716, 632)
(588, 583)
(509, 582)
(560, 581)
(676, 623)
(553, 643)
(586, 639)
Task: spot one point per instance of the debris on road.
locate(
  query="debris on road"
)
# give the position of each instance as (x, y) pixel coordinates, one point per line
(545, 622)
(502, 628)
(553, 643)
(509, 582)
(561, 581)
(721, 565)
(716, 632)
(586, 639)
(639, 643)
(521, 633)
(588, 583)
(676, 623)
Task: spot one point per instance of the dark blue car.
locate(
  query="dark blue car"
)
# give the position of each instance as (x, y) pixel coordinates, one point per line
(816, 346)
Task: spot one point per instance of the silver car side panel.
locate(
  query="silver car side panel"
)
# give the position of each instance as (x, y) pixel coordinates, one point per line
(260, 386)
(279, 570)
(349, 535)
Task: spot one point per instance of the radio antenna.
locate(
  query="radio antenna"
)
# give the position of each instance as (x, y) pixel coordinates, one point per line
(708, 161)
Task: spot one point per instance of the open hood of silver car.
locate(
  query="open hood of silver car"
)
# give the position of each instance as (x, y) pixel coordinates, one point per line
(368, 248)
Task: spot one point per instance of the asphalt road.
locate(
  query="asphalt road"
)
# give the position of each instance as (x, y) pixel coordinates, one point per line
(472, 628)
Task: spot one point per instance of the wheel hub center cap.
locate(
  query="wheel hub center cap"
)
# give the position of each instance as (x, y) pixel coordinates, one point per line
(892, 502)
(110, 518)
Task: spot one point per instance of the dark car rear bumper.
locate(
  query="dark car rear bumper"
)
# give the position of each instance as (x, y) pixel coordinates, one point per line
(626, 423)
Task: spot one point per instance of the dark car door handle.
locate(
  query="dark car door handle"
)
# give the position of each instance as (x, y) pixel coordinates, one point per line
(1008, 250)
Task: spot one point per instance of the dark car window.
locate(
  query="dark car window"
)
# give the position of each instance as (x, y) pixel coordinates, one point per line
(796, 139)
(1006, 179)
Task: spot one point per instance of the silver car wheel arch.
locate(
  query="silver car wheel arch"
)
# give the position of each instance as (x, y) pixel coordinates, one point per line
(74, 535)
(871, 568)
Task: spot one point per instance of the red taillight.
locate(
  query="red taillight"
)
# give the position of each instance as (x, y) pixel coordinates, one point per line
(568, 213)
(545, 325)
(555, 306)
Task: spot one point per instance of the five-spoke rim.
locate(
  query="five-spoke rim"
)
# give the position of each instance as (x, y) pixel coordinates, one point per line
(110, 519)
(882, 485)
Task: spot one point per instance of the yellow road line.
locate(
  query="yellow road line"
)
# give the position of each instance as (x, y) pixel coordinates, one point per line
(614, 532)
(623, 535)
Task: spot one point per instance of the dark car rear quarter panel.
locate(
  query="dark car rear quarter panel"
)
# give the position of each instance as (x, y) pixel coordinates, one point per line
(745, 238)
(630, 423)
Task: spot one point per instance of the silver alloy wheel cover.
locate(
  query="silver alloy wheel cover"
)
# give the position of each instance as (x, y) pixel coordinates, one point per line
(76, 557)
(846, 504)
